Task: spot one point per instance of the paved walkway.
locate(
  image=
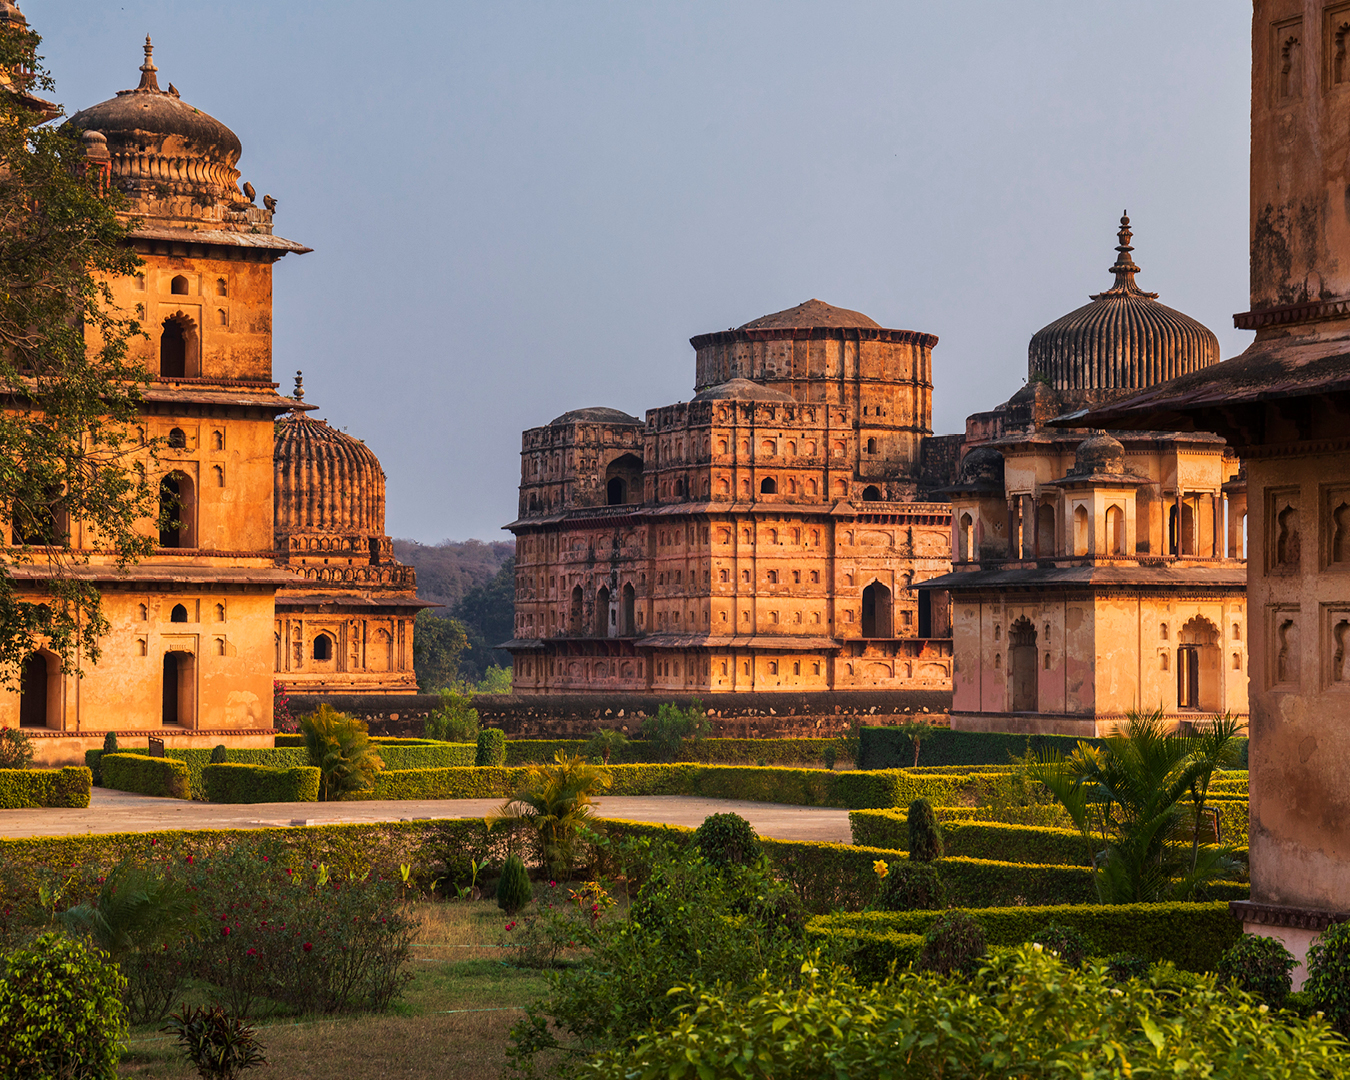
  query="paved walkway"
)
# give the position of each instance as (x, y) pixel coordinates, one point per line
(119, 811)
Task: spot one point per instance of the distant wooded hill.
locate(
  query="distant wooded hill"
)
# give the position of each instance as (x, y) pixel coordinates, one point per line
(446, 571)
(476, 583)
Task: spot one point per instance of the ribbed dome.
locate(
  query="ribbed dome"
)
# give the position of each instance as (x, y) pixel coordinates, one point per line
(325, 481)
(1121, 342)
(160, 142)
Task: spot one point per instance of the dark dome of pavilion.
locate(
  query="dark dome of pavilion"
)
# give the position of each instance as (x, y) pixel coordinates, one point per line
(811, 314)
(158, 140)
(595, 415)
(1121, 342)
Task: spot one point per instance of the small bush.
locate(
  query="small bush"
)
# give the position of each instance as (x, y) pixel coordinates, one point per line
(454, 720)
(491, 753)
(925, 834)
(61, 1011)
(145, 775)
(728, 840)
(1328, 981)
(219, 1046)
(1259, 965)
(1124, 966)
(911, 886)
(604, 742)
(668, 730)
(110, 743)
(830, 755)
(16, 749)
(1065, 942)
(954, 944)
(513, 888)
(218, 754)
(237, 783)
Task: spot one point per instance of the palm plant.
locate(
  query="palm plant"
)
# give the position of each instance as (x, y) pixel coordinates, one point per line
(554, 802)
(1129, 800)
(340, 747)
(138, 916)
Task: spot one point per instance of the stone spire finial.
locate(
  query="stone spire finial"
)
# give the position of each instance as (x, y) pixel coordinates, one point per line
(299, 386)
(1125, 267)
(149, 81)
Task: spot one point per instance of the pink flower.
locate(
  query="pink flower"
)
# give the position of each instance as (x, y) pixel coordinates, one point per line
(308, 946)
(252, 952)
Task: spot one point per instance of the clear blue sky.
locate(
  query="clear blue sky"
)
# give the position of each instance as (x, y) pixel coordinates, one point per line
(519, 209)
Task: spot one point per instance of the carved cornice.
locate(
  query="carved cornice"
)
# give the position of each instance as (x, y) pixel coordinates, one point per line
(1313, 311)
(1249, 911)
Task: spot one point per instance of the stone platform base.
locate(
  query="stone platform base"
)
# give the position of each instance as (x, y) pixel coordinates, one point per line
(52, 748)
(1083, 727)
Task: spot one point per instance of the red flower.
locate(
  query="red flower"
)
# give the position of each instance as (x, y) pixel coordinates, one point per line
(224, 931)
(308, 946)
(252, 952)
(266, 859)
(189, 860)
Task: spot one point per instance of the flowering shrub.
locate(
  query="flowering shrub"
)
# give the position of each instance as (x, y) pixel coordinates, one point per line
(282, 720)
(551, 925)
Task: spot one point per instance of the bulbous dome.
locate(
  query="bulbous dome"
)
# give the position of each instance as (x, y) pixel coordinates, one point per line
(159, 142)
(983, 467)
(1121, 342)
(326, 481)
(1099, 453)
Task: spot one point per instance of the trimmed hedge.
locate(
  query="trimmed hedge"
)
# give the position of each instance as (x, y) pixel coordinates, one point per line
(146, 775)
(1192, 936)
(24, 788)
(239, 783)
(976, 839)
(890, 748)
(701, 751)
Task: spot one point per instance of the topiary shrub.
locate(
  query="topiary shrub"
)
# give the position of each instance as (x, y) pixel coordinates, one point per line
(513, 888)
(925, 834)
(830, 755)
(1065, 942)
(110, 743)
(1259, 965)
(16, 749)
(491, 749)
(1329, 975)
(145, 775)
(911, 886)
(728, 840)
(954, 944)
(218, 754)
(61, 1011)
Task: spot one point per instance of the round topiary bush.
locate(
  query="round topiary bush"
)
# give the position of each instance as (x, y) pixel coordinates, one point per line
(218, 754)
(61, 1011)
(830, 755)
(1329, 975)
(911, 886)
(513, 888)
(728, 840)
(925, 834)
(1259, 965)
(110, 743)
(1067, 943)
(953, 944)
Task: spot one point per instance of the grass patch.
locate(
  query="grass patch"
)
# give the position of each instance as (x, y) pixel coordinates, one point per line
(452, 1024)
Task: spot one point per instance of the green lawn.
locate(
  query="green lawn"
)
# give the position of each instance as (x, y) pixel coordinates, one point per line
(451, 1025)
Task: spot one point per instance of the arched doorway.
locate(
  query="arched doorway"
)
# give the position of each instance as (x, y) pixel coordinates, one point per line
(177, 506)
(1082, 532)
(871, 493)
(1022, 666)
(177, 696)
(876, 611)
(36, 692)
(1115, 529)
(623, 480)
(602, 613)
(965, 539)
(629, 604)
(574, 623)
(1199, 666)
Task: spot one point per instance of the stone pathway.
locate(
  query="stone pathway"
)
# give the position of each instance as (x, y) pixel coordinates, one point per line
(119, 811)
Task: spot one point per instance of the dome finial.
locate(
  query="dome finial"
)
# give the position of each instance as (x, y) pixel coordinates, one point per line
(1125, 267)
(299, 386)
(148, 79)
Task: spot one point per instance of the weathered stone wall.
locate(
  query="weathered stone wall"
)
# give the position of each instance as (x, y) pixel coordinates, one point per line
(576, 715)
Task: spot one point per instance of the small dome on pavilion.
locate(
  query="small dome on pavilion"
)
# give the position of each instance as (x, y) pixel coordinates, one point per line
(325, 480)
(982, 467)
(811, 314)
(743, 390)
(158, 141)
(1099, 453)
(595, 415)
(1121, 342)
